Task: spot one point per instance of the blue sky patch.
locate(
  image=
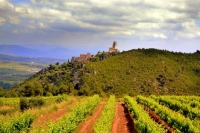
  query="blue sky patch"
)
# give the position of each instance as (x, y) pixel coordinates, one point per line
(198, 21)
(19, 1)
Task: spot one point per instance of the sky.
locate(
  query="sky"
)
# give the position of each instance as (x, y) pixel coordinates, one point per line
(173, 25)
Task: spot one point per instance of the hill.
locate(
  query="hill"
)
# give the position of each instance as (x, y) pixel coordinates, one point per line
(142, 71)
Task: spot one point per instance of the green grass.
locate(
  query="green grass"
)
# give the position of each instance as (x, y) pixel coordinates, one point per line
(10, 101)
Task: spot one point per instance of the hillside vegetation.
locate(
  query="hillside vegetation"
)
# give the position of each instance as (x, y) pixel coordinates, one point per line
(142, 71)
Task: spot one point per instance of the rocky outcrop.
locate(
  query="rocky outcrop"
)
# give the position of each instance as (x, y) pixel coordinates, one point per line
(43, 70)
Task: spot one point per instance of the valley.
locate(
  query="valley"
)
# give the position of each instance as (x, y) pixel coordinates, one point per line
(16, 69)
(13, 73)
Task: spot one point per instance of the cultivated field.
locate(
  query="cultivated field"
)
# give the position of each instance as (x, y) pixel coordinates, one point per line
(15, 73)
(153, 114)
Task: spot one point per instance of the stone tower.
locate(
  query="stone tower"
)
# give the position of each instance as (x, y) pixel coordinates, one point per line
(113, 49)
(114, 45)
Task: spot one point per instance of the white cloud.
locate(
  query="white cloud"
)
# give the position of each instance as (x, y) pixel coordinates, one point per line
(141, 19)
(21, 8)
(189, 25)
(14, 20)
(74, 4)
(159, 36)
(147, 26)
(186, 35)
(2, 21)
(198, 34)
(46, 13)
(16, 31)
(119, 33)
(5, 5)
(42, 25)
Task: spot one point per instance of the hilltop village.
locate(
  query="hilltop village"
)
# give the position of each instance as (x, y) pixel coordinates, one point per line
(101, 56)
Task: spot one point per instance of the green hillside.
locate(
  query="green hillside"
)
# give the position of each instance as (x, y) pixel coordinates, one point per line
(142, 71)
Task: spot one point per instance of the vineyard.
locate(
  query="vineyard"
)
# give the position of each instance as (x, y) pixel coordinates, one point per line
(69, 114)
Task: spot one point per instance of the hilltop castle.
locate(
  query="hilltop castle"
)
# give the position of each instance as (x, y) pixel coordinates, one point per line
(114, 49)
(88, 56)
(82, 57)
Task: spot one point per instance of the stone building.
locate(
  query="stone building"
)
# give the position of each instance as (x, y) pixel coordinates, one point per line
(83, 57)
(113, 49)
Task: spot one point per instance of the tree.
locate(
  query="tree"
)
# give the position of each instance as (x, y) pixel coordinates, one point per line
(55, 90)
(51, 66)
(70, 88)
(1, 92)
(29, 90)
(39, 90)
(63, 89)
(85, 90)
(64, 65)
(57, 63)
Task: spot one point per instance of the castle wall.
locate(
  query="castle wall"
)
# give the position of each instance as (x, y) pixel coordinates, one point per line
(111, 50)
(88, 56)
(81, 58)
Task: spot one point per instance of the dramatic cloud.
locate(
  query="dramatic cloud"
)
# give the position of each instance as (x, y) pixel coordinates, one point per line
(133, 23)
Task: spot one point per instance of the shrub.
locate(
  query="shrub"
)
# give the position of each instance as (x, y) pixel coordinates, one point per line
(9, 111)
(60, 99)
(23, 103)
(31, 103)
(1, 102)
(49, 94)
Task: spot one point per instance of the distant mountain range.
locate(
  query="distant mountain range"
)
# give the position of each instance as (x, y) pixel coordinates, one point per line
(16, 50)
(46, 51)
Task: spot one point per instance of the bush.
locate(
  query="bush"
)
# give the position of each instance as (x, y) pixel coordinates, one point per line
(49, 94)
(31, 103)
(23, 103)
(5, 111)
(1, 103)
(60, 99)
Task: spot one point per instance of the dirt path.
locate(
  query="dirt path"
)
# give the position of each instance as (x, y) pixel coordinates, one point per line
(123, 122)
(43, 119)
(157, 118)
(87, 126)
